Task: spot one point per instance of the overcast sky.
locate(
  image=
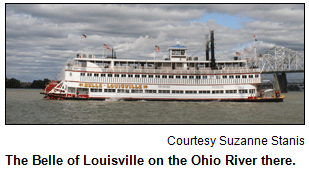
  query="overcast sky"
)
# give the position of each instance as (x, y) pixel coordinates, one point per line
(40, 38)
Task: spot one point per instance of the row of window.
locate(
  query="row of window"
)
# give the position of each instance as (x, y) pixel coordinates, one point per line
(240, 91)
(172, 76)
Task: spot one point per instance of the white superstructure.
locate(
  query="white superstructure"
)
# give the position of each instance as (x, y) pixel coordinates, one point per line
(177, 77)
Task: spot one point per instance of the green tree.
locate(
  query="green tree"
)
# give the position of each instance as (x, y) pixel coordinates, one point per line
(12, 83)
(39, 83)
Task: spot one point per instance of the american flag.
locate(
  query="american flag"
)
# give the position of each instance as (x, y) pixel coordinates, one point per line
(157, 49)
(255, 36)
(238, 53)
(247, 50)
(105, 46)
(84, 36)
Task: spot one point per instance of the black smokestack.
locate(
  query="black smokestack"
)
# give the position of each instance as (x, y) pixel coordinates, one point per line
(207, 48)
(213, 60)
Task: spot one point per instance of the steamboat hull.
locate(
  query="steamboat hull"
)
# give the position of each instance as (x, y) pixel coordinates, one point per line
(64, 97)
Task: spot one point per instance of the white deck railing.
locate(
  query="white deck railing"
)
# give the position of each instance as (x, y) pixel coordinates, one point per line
(166, 71)
(170, 81)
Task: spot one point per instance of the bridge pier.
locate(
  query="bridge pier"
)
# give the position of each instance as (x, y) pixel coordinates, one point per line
(280, 82)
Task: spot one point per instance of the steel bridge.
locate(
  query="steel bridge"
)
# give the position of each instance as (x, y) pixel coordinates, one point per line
(282, 60)
(279, 61)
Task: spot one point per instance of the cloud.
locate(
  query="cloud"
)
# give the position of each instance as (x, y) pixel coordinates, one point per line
(41, 37)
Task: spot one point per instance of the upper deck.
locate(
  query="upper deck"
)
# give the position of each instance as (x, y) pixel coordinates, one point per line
(177, 62)
(93, 64)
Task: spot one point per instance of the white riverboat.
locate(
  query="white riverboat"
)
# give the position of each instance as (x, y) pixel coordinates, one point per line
(176, 78)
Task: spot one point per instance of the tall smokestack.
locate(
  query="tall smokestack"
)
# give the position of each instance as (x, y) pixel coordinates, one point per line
(212, 40)
(207, 48)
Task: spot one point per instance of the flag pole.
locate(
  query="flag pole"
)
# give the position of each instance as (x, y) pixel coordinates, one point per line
(255, 48)
(80, 47)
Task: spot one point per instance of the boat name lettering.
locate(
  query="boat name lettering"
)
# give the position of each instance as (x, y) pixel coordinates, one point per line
(94, 85)
(127, 86)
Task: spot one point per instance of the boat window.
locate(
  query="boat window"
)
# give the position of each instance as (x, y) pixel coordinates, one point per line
(224, 77)
(252, 91)
(204, 77)
(184, 77)
(123, 91)
(256, 76)
(191, 77)
(217, 92)
(96, 75)
(84, 55)
(171, 76)
(130, 75)
(150, 91)
(177, 52)
(164, 76)
(116, 75)
(109, 90)
(82, 74)
(150, 76)
(177, 77)
(242, 91)
(231, 77)
(144, 76)
(177, 91)
(244, 76)
(109, 75)
(218, 77)
(136, 91)
(102, 75)
(123, 75)
(204, 92)
(89, 74)
(198, 77)
(164, 91)
(157, 76)
(70, 73)
(95, 90)
(231, 91)
(191, 92)
(237, 76)
(136, 75)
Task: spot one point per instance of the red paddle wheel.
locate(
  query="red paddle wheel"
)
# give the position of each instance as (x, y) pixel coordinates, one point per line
(49, 87)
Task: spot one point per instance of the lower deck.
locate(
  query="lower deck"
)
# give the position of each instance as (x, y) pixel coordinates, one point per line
(155, 92)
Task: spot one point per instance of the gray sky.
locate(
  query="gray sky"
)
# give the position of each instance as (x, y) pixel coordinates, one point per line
(40, 38)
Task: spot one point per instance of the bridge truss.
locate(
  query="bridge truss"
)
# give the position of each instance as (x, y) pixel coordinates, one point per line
(281, 60)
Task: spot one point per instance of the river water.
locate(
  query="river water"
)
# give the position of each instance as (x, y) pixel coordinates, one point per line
(27, 106)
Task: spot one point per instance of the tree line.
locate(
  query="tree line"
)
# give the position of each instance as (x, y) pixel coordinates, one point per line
(14, 83)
